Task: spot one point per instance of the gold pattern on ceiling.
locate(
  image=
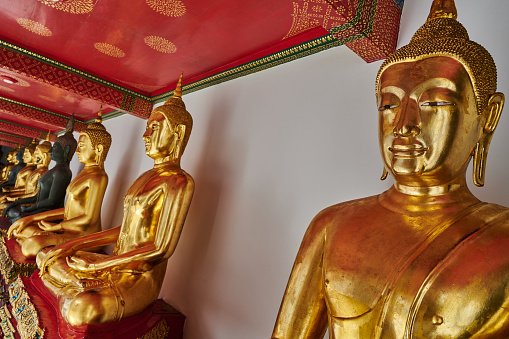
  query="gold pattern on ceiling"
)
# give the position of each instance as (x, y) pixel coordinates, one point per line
(109, 50)
(160, 44)
(71, 6)
(308, 14)
(34, 27)
(173, 8)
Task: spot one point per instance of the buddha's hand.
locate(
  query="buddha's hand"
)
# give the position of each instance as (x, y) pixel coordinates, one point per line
(62, 250)
(18, 226)
(49, 258)
(80, 264)
(49, 226)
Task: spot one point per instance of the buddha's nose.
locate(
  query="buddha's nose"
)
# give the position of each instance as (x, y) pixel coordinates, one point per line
(408, 122)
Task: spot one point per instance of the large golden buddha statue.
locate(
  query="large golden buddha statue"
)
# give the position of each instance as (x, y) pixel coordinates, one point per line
(95, 288)
(82, 211)
(42, 159)
(425, 259)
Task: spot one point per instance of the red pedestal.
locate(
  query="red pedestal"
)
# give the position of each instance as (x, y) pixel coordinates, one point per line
(159, 320)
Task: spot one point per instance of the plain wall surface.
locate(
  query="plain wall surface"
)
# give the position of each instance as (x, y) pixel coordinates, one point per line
(270, 150)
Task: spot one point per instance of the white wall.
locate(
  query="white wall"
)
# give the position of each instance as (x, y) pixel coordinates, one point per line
(270, 150)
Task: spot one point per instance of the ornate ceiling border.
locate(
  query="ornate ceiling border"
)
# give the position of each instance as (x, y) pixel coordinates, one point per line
(358, 34)
(57, 74)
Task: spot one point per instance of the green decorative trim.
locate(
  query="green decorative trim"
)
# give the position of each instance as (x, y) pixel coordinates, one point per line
(68, 68)
(278, 58)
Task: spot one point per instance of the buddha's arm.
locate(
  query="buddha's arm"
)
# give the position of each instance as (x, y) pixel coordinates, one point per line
(71, 246)
(303, 312)
(92, 213)
(171, 220)
(29, 220)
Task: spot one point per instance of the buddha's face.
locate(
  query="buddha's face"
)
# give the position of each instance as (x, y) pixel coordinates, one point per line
(9, 157)
(159, 137)
(85, 151)
(57, 153)
(27, 156)
(38, 155)
(428, 121)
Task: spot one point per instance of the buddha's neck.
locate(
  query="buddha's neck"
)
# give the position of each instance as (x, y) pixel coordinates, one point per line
(168, 161)
(454, 196)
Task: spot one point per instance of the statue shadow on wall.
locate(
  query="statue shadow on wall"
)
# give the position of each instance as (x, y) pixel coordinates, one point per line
(185, 275)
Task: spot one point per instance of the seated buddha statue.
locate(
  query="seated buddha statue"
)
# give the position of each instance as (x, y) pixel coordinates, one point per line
(11, 161)
(42, 159)
(24, 173)
(53, 183)
(81, 214)
(96, 288)
(425, 259)
(19, 164)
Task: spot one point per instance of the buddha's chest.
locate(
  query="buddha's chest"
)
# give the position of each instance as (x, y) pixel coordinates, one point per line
(414, 284)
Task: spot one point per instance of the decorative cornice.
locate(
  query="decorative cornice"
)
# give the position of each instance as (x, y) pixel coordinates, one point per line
(68, 68)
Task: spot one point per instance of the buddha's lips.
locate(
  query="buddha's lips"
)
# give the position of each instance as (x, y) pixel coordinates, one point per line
(408, 151)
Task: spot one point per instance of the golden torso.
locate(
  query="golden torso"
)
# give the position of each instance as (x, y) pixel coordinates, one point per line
(33, 180)
(23, 175)
(5, 171)
(86, 191)
(143, 204)
(388, 275)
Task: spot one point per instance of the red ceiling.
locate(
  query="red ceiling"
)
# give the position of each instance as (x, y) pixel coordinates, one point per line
(73, 56)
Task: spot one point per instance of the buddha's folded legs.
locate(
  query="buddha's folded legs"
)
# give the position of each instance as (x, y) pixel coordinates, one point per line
(93, 298)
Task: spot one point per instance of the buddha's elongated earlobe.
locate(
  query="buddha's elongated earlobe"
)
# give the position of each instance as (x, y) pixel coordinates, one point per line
(493, 111)
(384, 174)
(179, 133)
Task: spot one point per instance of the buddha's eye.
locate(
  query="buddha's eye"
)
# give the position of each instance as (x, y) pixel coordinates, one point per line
(386, 107)
(437, 103)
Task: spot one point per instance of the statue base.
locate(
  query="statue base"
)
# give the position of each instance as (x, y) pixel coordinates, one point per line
(35, 311)
(159, 320)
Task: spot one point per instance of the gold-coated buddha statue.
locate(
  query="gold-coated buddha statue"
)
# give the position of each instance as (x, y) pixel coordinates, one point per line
(81, 214)
(425, 259)
(53, 183)
(19, 164)
(95, 288)
(24, 173)
(42, 159)
(11, 161)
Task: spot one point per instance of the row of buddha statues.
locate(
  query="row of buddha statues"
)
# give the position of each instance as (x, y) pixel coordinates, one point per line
(425, 259)
(65, 235)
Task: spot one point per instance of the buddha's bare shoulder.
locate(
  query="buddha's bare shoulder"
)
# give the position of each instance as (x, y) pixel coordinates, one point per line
(345, 213)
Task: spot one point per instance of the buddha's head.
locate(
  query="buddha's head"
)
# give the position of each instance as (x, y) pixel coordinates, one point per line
(65, 145)
(94, 143)
(11, 156)
(20, 154)
(168, 129)
(28, 154)
(41, 153)
(437, 103)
